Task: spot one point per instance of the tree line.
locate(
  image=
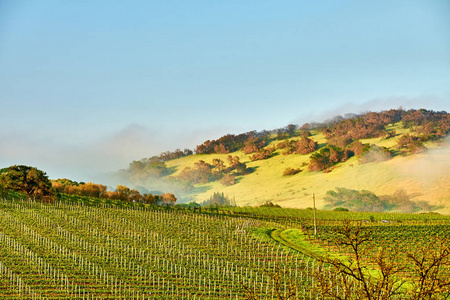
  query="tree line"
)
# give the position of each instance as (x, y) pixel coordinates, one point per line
(121, 192)
(36, 185)
(203, 172)
(366, 201)
(343, 135)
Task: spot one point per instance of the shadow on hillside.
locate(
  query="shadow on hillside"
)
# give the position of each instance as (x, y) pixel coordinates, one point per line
(237, 180)
(274, 154)
(319, 146)
(199, 189)
(249, 170)
(171, 170)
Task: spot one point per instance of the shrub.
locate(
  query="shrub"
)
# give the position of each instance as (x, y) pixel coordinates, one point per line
(263, 154)
(325, 158)
(291, 171)
(269, 204)
(228, 180)
(374, 153)
(340, 209)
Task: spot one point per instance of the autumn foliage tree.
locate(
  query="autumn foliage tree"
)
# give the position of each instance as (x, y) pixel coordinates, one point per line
(88, 189)
(121, 193)
(263, 153)
(32, 182)
(411, 144)
(304, 145)
(253, 145)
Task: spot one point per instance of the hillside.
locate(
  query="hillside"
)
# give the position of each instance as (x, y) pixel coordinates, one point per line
(419, 169)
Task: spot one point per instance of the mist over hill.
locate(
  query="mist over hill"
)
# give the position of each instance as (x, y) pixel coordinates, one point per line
(400, 156)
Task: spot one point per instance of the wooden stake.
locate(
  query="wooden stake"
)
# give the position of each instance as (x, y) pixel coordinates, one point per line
(314, 209)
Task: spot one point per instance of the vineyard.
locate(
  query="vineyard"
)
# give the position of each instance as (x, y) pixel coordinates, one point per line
(70, 250)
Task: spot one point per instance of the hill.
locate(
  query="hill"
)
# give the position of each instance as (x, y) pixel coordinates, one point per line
(395, 154)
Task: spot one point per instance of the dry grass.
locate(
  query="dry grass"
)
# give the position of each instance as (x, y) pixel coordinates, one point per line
(424, 176)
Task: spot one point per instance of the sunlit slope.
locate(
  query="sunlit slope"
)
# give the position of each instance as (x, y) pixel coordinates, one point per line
(425, 177)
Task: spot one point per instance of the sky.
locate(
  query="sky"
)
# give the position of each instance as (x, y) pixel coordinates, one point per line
(86, 87)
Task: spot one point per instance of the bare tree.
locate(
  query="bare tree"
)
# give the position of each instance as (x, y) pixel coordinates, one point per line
(429, 280)
(359, 278)
(351, 278)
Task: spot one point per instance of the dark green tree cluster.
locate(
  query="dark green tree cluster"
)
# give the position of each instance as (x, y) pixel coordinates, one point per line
(148, 167)
(269, 204)
(287, 132)
(369, 202)
(218, 199)
(326, 157)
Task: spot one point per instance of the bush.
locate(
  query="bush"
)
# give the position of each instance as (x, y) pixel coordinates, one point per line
(325, 158)
(228, 180)
(291, 171)
(218, 199)
(263, 154)
(340, 209)
(269, 204)
(374, 153)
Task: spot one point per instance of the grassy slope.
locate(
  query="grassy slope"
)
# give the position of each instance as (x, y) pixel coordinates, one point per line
(414, 173)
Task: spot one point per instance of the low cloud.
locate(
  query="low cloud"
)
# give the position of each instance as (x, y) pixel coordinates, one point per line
(87, 157)
(430, 102)
(430, 167)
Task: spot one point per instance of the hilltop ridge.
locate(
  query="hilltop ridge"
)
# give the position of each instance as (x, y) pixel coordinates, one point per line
(393, 152)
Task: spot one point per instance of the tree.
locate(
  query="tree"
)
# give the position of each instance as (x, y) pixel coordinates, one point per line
(123, 192)
(290, 129)
(200, 173)
(305, 146)
(429, 278)
(411, 143)
(29, 180)
(325, 158)
(221, 149)
(217, 199)
(352, 276)
(168, 199)
(264, 153)
(253, 145)
(291, 171)
(236, 165)
(228, 179)
(374, 153)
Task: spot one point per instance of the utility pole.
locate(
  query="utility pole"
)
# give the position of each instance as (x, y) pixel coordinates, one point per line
(314, 209)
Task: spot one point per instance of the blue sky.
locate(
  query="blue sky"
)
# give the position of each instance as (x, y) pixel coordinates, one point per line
(89, 86)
